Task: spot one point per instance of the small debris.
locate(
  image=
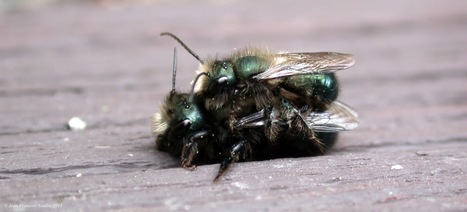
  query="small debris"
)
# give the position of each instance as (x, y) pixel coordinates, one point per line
(396, 167)
(102, 147)
(79, 175)
(334, 180)
(131, 155)
(76, 123)
(240, 185)
(421, 153)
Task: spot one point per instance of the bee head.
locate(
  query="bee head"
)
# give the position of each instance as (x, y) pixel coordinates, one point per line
(221, 76)
(179, 116)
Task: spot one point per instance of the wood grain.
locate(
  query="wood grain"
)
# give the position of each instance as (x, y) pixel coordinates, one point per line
(106, 64)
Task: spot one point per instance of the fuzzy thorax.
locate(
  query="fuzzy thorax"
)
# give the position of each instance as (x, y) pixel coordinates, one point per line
(207, 66)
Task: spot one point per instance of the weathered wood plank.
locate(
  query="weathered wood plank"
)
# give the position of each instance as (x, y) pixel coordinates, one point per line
(430, 176)
(111, 68)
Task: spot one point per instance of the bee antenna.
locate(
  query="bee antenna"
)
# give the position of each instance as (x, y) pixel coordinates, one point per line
(174, 70)
(183, 44)
(192, 94)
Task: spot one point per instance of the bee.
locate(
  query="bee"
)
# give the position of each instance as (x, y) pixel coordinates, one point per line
(255, 105)
(181, 126)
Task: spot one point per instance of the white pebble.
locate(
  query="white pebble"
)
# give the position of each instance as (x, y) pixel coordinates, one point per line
(76, 123)
(397, 167)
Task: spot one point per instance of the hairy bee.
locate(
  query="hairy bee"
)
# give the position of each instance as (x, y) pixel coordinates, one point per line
(255, 105)
(186, 129)
(181, 125)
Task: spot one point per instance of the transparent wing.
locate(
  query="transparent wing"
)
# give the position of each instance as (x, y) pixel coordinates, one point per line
(251, 121)
(338, 117)
(290, 64)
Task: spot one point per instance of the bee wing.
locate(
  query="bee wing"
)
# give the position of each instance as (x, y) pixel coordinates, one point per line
(251, 121)
(338, 117)
(289, 64)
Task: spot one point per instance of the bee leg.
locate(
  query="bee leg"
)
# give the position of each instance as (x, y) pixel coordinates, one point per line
(189, 153)
(273, 125)
(306, 129)
(190, 149)
(179, 129)
(238, 151)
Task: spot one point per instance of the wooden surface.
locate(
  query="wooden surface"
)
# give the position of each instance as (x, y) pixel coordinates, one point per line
(106, 64)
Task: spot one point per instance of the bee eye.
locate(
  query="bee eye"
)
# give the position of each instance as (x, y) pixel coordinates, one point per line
(179, 129)
(218, 84)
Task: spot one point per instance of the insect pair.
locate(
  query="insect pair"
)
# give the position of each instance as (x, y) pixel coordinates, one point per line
(255, 105)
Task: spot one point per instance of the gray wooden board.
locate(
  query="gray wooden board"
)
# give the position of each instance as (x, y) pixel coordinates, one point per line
(106, 64)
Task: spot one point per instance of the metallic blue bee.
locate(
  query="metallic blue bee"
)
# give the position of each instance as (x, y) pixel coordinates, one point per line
(254, 105)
